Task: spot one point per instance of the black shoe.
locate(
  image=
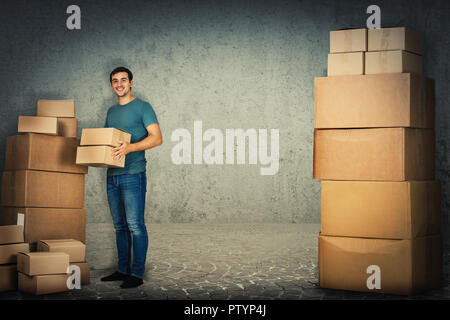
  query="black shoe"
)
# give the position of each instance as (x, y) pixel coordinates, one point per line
(116, 276)
(131, 282)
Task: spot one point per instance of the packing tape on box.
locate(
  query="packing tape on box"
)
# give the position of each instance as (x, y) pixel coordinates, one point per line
(348, 40)
(383, 59)
(421, 153)
(21, 219)
(385, 34)
(422, 96)
(14, 146)
(12, 186)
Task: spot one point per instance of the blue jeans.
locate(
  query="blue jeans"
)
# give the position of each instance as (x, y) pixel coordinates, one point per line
(126, 198)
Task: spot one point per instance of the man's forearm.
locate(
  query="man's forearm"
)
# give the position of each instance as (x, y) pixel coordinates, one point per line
(146, 143)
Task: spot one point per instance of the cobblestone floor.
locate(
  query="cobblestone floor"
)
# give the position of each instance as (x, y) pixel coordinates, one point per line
(218, 262)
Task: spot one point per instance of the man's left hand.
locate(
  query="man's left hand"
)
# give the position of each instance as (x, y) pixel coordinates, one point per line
(122, 150)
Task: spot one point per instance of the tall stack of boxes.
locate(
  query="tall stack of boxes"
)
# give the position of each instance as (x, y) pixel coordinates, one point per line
(374, 152)
(41, 180)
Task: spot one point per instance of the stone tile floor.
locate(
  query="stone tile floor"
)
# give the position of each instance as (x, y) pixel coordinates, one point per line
(218, 262)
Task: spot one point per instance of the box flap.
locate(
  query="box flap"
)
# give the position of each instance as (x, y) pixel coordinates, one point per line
(62, 243)
(24, 253)
(45, 254)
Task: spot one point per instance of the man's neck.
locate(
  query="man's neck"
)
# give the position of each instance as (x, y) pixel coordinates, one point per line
(125, 99)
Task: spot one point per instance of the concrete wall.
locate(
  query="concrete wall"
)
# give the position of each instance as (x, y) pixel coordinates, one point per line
(241, 64)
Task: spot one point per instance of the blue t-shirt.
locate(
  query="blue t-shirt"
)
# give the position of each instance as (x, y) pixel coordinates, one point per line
(133, 118)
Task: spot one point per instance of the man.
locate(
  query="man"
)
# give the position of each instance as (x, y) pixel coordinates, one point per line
(126, 187)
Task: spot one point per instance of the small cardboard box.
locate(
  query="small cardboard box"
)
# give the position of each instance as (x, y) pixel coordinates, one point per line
(345, 63)
(399, 267)
(42, 152)
(38, 263)
(11, 234)
(8, 277)
(379, 209)
(48, 223)
(8, 252)
(85, 272)
(373, 101)
(397, 61)
(30, 188)
(348, 40)
(375, 154)
(56, 108)
(399, 38)
(47, 125)
(74, 248)
(103, 137)
(43, 284)
(98, 156)
(67, 127)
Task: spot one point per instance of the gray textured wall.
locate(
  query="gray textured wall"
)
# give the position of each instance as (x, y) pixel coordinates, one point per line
(242, 64)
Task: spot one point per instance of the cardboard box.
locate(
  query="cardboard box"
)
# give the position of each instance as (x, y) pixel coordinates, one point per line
(85, 272)
(56, 108)
(389, 210)
(348, 40)
(396, 61)
(67, 127)
(375, 154)
(8, 252)
(405, 266)
(11, 234)
(395, 39)
(74, 248)
(8, 277)
(345, 63)
(98, 156)
(30, 188)
(373, 101)
(47, 125)
(43, 284)
(39, 263)
(42, 152)
(103, 137)
(48, 223)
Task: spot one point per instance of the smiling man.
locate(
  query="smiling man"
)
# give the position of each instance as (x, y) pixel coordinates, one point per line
(126, 187)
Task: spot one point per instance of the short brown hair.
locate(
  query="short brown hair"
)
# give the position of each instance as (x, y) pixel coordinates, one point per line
(120, 69)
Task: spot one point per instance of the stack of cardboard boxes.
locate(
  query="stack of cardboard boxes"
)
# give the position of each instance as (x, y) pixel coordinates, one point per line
(45, 271)
(54, 117)
(374, 151)
(76, 251)
(11, 243)
(96, 147)
(41, 180)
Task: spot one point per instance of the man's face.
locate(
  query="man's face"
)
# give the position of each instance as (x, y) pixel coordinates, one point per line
(121, 84)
